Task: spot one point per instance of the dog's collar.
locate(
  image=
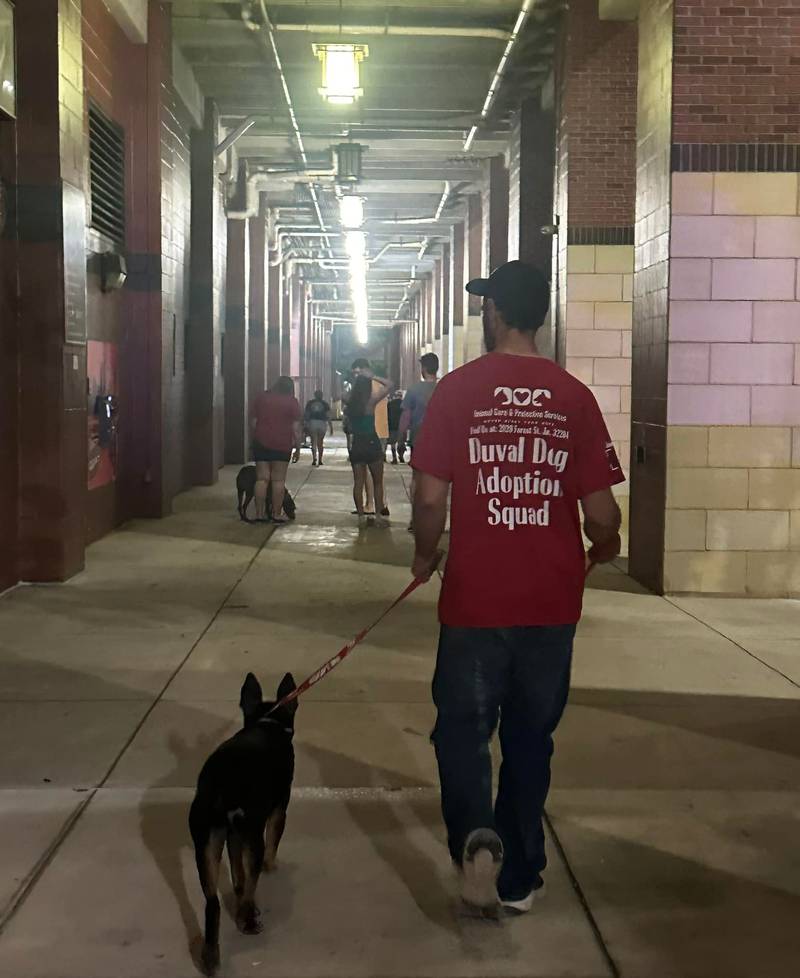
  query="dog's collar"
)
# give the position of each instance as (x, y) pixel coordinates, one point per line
(277, 723)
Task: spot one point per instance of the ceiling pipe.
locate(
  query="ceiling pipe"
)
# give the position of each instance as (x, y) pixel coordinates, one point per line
(269, 44)
(394, 244)
(425, 220)
(494, 88)
(236, 134)
(392, 30)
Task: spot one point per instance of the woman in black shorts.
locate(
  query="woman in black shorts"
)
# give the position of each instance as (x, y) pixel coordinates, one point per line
(276, 431)
(366, 451)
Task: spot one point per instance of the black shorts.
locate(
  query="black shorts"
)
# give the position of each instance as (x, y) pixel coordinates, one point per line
(366, 450)
(261, 454)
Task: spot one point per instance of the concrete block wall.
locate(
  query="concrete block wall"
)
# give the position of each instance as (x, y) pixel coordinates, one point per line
(598, 337)
(733, 440)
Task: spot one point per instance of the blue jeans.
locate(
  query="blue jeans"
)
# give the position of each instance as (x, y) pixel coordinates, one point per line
(519, 676)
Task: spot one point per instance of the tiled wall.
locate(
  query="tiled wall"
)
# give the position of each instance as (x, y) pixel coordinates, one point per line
(598, 337)
(733, 486)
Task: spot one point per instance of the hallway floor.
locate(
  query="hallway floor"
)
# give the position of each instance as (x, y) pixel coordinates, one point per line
(674, 815)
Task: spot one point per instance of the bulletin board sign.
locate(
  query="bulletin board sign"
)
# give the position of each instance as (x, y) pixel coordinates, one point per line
(8, 74)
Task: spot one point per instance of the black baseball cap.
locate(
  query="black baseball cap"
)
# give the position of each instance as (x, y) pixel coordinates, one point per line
(519, 290)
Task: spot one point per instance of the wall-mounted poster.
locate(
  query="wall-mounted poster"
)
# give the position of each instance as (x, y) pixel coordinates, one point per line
(101, 371)
(8, 84)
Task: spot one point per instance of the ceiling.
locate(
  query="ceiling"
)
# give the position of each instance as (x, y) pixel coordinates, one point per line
(425, 82)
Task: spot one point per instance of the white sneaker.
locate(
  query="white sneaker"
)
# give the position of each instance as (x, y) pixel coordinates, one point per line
(480, 867)
(516, 908)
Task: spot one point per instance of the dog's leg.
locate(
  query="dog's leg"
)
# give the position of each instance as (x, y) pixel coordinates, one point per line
(237, 864)
(208, 854)
(242, 508)
(276, 823)
(248, 918)
(247, 500)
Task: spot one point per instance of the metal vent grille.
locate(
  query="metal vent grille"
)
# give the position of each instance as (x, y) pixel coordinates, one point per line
(107, 173)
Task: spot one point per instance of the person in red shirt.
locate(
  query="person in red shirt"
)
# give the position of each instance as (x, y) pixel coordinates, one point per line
(275, 420)
(523, 447)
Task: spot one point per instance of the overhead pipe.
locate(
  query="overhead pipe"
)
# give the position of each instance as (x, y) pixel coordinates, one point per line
(270, 44)
(494, 88)
(236, 134)
(425, 220)
(397, 30)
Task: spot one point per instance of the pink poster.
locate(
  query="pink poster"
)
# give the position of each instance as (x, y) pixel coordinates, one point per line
(101, 370)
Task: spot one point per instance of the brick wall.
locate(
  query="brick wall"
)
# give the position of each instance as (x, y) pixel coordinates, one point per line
(175, 142)
(598, 112)
(737, 71)
(51, 282)
(133, 85)
(115, 74)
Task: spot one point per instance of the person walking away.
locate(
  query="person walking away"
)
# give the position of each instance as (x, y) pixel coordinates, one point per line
(275, 422)
(525, 448)
(415, 404)
(381, 424)
(317, 418)
(395, 411)
(366, 452)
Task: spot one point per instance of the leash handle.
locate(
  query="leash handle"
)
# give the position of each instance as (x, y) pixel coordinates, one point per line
(343, 653)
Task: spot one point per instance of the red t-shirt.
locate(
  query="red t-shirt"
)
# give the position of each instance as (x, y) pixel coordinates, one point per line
(275, 416)
(521, 441)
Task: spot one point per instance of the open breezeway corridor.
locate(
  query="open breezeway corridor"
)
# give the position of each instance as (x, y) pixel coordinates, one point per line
(674, 814)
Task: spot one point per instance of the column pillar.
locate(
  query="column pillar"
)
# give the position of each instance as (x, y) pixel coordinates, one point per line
(716, 384)
(52, 290)
(473, 268)
(596, 99)
(286, 318)
(436, 307)
(531, 174)
(455, 346)
(257, 303)
(443, 347)
(235, 367)
(495, 214)
(295, 324)
(274, 312)
(204, 342)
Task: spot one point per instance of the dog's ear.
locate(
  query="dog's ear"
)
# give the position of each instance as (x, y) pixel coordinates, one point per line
(251, 698)
(287, 686)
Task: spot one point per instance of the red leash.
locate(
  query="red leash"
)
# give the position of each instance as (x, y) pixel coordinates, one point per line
(343, 653)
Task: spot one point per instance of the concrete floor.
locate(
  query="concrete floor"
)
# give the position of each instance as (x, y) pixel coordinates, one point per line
(674, 814)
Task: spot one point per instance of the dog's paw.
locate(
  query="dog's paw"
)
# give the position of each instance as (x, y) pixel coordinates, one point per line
(209, 959)
(249, 921)
(270, 865)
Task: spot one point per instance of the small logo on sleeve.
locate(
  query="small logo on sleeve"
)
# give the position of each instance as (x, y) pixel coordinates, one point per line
(611, 455)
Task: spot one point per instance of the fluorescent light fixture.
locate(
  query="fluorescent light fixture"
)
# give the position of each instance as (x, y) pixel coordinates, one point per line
(351, 212)
(355, 243)
(341, 84)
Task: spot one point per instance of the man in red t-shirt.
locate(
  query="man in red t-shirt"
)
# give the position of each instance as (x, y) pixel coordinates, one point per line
(523, 445)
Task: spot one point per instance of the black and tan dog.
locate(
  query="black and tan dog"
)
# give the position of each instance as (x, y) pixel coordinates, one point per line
(246, 490)
(242, 795)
